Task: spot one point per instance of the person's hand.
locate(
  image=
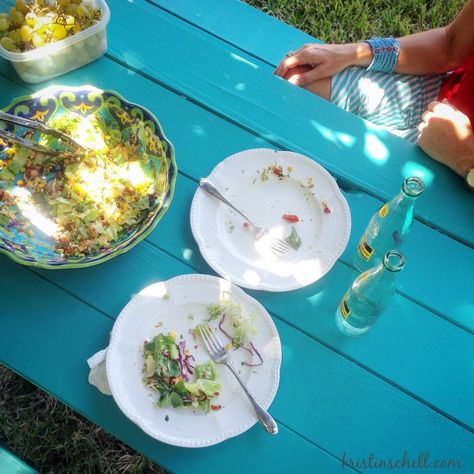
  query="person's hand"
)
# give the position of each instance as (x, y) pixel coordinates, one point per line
(318, 61)
(446, 135)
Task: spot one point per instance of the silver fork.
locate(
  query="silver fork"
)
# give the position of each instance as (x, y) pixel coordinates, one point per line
(278, 246)
(220, 355)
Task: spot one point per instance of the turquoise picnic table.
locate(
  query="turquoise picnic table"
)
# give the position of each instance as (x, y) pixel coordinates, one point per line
(404, 391)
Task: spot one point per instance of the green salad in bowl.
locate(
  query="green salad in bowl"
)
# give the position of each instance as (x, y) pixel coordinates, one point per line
(80, 209)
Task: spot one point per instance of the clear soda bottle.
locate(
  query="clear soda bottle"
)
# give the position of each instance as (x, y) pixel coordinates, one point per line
(369, 295)
(389, 226)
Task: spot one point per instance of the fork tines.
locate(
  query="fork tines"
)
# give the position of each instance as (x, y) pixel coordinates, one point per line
(280, 247)
(211, 341)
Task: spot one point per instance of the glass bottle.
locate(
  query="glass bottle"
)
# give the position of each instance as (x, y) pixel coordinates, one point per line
(389, 226)
(369, 295)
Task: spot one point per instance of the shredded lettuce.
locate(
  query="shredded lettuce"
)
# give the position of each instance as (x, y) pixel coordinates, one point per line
(240, 321)
(93, 200)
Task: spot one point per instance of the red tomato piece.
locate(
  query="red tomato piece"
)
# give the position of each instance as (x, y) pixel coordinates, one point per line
(291, 218)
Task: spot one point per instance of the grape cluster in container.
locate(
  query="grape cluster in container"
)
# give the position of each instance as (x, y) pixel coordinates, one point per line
(43, 39)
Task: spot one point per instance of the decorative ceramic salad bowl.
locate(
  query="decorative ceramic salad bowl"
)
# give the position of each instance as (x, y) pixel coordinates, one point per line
(38, 225)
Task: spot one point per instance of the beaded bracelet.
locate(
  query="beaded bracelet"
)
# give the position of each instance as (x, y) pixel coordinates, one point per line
(385, 52)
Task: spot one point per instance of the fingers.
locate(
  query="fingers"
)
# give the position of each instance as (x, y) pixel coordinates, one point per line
(443, 108)
(307, 77)
(420, 137)
(427, 114)
(432, 105)
(290, 61)
(300, 57)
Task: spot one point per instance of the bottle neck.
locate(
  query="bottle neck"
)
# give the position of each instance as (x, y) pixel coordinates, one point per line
(403, 205)
(390, 267)
(403, 200)
(412, 188)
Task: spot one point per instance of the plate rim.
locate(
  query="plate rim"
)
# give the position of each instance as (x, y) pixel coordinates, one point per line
(194, 442)
(345, 235)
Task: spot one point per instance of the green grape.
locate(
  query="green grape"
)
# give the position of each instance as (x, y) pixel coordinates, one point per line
(71, 9)
(64, 3)
(4, 24)
(25, 33)
(92, 41)
(15, 36)
(16, 17)
(82, 11)
(8, 43)
(21, 7)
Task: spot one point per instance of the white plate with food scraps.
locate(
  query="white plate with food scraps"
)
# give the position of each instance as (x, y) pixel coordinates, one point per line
(176, 307)
(290, 194)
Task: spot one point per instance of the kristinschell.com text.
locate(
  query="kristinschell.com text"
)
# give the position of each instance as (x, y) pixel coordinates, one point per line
(405, 461)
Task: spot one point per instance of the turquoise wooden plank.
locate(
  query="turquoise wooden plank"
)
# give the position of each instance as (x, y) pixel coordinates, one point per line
(246, 91)
(343, 400)
(172, 233)
(10, 464)
(231, 21)
(201, 142)
(61, 369)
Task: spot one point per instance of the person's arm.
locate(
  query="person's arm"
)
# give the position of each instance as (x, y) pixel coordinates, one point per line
(441, 49)
(430, 52)
(447, 136)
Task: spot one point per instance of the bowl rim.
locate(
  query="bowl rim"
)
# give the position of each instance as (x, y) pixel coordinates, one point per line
(157, 217)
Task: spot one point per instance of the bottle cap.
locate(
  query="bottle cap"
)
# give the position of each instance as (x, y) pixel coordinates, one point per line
(394, 261)
(413, 186)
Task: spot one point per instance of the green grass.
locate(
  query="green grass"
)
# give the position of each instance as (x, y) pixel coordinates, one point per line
(336, 21)
(50, 436)
(54, 440)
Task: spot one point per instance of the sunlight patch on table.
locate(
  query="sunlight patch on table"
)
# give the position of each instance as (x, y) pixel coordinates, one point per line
(187, 254)
(132, 59)
(411, 168)
(316, 298)
(289, 354)
(375, 150)
(198, 130)
(339, 138)
(243, 60)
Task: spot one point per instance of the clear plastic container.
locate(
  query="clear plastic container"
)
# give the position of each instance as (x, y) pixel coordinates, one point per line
(54, 59)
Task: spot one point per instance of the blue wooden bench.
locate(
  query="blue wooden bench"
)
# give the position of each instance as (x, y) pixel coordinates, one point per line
(10, 464)
(205, 69)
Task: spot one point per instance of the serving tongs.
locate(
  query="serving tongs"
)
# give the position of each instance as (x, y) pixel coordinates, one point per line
(33, 125)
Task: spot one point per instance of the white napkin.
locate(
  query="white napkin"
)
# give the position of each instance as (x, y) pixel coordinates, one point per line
(97, 373)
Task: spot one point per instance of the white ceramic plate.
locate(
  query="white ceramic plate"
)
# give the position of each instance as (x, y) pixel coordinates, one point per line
(247, 180)
(179, 305)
